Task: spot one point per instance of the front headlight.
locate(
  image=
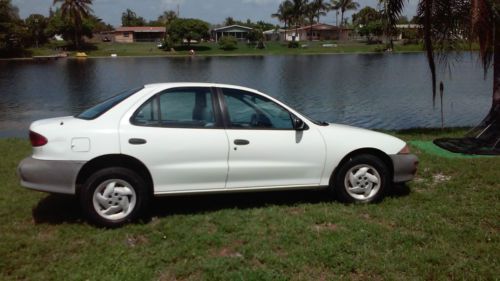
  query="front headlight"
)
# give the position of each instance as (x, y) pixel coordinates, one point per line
(405, 150)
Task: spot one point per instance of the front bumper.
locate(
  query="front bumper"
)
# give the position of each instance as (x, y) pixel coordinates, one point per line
(405, 167)
(54, 176)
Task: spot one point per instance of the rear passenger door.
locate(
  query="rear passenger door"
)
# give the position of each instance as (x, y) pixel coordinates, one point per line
(177, 134)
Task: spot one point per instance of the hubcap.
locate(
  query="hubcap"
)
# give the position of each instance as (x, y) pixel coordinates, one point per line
(362, 182)
(114, 199)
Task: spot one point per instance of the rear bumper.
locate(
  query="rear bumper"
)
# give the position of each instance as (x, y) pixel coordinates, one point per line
(52, 176)
(405, 167)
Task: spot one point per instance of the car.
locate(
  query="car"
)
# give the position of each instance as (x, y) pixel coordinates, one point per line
(191, 138)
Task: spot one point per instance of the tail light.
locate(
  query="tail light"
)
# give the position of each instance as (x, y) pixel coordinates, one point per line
(37, 139)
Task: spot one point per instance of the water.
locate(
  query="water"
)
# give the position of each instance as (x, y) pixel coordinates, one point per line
(372, 91)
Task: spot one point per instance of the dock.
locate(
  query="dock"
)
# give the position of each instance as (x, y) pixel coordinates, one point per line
(49, 57)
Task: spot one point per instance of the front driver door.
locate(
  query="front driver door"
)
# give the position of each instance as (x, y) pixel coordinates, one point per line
(265, 150)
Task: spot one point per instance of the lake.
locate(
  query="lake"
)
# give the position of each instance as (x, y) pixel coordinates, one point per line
(381, 91)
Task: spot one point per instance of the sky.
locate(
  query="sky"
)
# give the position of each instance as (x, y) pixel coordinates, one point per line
(212, 11)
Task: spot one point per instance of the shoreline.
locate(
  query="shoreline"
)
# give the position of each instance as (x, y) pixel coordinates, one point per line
(213, 55)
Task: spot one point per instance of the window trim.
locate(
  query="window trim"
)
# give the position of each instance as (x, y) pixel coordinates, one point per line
(218, 124)
(227, 121)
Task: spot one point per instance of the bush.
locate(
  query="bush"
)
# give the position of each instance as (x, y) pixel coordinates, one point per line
(167, 44)
(228, 43)
(293, 44)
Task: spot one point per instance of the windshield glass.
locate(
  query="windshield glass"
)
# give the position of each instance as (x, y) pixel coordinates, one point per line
(99, 109)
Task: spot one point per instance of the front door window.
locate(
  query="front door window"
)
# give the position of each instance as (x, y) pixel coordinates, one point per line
(250, 111)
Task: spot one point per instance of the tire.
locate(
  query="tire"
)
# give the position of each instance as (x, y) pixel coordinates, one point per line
(114, 196)
(363, 178)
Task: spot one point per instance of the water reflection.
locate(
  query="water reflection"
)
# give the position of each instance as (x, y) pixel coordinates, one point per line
(373, 91)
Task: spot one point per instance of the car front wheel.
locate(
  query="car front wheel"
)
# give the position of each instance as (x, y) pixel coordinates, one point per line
(113, 196)
(363, 178)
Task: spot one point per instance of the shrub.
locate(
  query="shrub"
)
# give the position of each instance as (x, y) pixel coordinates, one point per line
(228, 43)
(293, 44)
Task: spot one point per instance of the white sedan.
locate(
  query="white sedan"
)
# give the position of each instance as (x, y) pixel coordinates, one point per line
(182, 138)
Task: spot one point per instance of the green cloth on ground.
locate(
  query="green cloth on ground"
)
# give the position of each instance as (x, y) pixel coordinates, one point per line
(430, 148)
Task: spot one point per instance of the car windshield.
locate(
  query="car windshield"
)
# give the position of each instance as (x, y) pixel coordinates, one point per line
(99, 109)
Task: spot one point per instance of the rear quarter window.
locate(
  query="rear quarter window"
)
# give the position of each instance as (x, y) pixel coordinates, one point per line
(99, 109)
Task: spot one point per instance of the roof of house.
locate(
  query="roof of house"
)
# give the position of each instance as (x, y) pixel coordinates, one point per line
(233, 28)
(273, 31)
(319, 26)
(140, 29)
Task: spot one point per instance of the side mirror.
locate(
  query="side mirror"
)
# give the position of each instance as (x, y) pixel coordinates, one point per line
(298, 124)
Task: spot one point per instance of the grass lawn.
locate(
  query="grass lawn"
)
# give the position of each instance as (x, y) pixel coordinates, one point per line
(210, 49)
(443, 225)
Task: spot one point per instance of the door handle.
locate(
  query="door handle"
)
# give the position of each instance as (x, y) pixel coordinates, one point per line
(136, 141)
(241, 142)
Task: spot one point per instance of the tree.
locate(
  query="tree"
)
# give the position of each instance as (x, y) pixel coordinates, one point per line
(129, 18)
(188, 29)
(58, 25)
(229, 21)
(368, 23)
(37, 25)
(447, 23)
(321, 8)
(344, 5)
(284, 13)
(310, 13)
(96, 24)
(166, 18)
(391, 11)
(10, 26)
(297, 10)
(75, 11)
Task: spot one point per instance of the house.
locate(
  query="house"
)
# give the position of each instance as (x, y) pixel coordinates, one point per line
(237, 31)
(409, 31)
(130, 34)
(274, 34)
(319, 31)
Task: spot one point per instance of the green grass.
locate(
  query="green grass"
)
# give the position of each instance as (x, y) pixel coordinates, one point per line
(212, 49)
(443, 225)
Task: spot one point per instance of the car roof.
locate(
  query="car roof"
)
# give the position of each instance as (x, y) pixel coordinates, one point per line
(160, 86)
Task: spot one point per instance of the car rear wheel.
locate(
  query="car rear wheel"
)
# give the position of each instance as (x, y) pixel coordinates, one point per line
(113, 196)
(363, 179)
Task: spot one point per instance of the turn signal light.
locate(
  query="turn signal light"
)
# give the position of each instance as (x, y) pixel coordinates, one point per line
(405, 150)
(37, 139)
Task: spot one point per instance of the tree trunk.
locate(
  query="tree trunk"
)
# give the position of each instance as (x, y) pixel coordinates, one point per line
(496, 65)
(296, 30)
(341, 25)
(311, 32)
(285, 30)
(76, 39)
(341, 18)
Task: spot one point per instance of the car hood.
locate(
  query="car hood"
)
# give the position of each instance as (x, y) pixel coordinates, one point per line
(348, 138)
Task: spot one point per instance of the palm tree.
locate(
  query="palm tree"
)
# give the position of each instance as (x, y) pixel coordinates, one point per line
(344, 5)
(310, 13)
(298, 11)
(391, 13)
(447, 23)
(75, 11)
(321, 8)
(284, 13)
(334, 5)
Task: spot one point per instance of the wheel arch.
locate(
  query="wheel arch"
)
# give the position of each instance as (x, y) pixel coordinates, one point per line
(113, 160)
(368, 150)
